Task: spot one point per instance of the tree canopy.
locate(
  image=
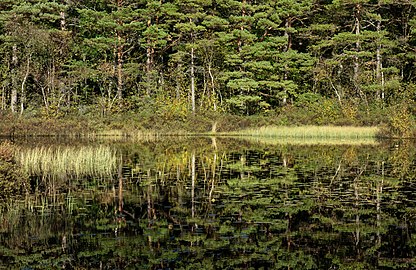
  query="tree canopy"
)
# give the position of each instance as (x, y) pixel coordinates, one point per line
(244, 57)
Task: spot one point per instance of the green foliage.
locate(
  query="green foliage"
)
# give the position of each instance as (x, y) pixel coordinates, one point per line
(325, 62)
(172, 108)
(247, 105)
(247, 206)
(328, 111)
(399, 123)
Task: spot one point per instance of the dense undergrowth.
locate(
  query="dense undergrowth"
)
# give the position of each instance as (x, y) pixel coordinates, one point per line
(394, 121)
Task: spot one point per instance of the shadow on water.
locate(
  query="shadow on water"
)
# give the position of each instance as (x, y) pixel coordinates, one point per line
(220, 203)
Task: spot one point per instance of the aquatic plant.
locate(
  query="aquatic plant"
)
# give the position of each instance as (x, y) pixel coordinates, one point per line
(69, 161)
(312, 132)
(310, 141)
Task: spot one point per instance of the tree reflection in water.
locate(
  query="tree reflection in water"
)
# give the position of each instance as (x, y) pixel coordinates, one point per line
(222, 204)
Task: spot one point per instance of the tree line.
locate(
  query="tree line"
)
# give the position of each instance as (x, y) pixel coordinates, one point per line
(244, 57)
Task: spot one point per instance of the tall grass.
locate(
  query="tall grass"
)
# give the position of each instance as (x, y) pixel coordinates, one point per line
(309, 141)
(69, 161)
(117, 134)
(334, 132)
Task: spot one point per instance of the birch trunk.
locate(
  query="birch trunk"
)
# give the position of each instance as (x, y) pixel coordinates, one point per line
(379, 63)
(63, 20)
(149, 62)
(213, 96)
(357, 27)
(22, 89)
(287, 35)
(192, 80)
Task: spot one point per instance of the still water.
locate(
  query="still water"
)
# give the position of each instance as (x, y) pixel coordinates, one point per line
(219, 203)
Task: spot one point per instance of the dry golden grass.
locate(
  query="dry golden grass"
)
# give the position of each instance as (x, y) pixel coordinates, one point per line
(310, 141)
(336, 132)
(72, 161)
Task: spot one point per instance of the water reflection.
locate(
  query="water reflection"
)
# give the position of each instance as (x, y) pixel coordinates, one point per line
(222, 204)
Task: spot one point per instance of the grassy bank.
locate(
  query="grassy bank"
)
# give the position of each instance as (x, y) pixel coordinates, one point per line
(289, 121)
(310, 141)
(311, 132)
(127, 125)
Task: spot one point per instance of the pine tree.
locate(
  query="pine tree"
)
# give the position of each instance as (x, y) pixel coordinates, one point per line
(352, 59)
(107, 32)
(187, 31)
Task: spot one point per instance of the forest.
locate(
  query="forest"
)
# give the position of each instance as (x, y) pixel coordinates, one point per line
(351, 60)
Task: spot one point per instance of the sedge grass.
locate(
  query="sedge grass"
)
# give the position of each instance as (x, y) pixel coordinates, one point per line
(69, 161)
(117, 135)
(309, 141)
(333, 132)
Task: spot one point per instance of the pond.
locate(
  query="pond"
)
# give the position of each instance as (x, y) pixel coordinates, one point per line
(211, 203)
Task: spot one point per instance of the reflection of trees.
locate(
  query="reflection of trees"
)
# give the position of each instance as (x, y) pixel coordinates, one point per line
(211, 206)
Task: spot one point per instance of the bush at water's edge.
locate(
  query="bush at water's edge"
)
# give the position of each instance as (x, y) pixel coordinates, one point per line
(12, 180)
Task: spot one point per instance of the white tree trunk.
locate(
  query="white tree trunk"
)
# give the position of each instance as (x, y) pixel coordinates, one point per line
(192, 80)
(22, 89)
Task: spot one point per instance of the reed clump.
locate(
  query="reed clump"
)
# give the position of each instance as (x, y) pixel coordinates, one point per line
(310, 141)
(68, 161)
(335, 132)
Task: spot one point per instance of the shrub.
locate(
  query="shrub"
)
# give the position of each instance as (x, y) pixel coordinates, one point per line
(12, 180)
(399, 123)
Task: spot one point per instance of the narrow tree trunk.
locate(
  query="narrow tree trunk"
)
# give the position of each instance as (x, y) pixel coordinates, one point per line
(3, 97)
(193, 178)
(149, 62)
(213, 96)
(214, 167)
(356, 76)
(148, 71)
(178, 88)
(336, 92)
(119, 67)
(151, 214)
(379, 192)
(243, 14)
(357, 26)
(119, 56)
(22, 89)
(192, 80)
(63, 20)
(288, 37)
(357, 217)
(13, 97)
(379, 67)
(120, 188)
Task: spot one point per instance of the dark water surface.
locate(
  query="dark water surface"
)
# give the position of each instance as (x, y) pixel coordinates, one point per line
(205, 203)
